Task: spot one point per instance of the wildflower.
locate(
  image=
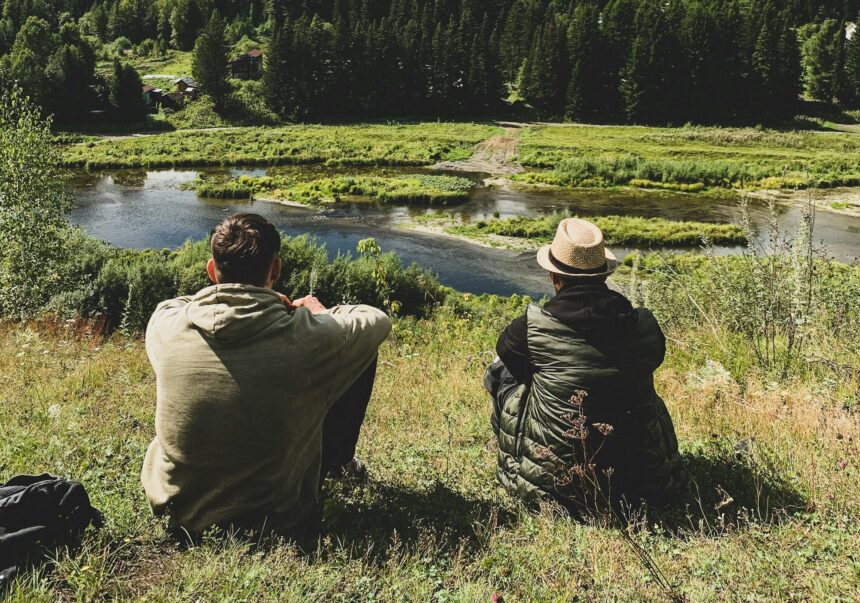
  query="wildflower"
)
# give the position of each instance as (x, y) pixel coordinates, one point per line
(577, 432)
(496, 598)
(604, 428)
(578, 398)
(842, 463)
(609, 472)
(54, 411)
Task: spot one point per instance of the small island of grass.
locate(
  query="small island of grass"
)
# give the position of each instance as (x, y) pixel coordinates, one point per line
(521, 232)
(410, 188)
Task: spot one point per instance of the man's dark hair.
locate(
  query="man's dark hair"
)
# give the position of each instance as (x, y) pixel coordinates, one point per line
(243, 247)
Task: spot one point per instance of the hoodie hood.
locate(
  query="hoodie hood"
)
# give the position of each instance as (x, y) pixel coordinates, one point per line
(234, 312)
(593, 308)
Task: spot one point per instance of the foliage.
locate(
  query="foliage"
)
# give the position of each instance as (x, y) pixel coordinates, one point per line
(618, 230)
(699, 156)
(822, 53)
(413, 188)
(121, 287)
(393, 144)
(209, 61)
(125, 94)
(32, 207)
(771, 515)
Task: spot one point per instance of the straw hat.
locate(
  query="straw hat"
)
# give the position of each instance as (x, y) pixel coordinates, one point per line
(577, 251)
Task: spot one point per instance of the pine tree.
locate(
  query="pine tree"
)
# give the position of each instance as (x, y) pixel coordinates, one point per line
(821, 54)
(851, 72)
(125, 94)
(209, 63)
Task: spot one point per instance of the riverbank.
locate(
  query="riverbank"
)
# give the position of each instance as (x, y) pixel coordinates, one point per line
(692, 159)
(773, 460)
(522, 233)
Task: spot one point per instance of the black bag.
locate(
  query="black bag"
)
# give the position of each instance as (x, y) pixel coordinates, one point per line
(38, 511)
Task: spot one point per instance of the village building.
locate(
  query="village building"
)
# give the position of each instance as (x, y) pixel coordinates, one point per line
(187, 87)
(249, 66)
(152, 96)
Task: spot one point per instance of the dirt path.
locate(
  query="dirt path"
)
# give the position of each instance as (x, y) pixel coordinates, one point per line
(495, 155)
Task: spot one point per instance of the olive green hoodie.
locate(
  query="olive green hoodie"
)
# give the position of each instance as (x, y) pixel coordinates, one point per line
(243, 386)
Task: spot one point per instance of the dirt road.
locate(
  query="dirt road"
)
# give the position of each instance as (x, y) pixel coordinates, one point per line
(495, 155)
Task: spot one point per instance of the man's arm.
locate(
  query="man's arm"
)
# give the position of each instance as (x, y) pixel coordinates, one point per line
(363, 329)
(513, 349)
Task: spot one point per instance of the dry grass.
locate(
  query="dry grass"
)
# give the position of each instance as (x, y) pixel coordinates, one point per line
(431, 524)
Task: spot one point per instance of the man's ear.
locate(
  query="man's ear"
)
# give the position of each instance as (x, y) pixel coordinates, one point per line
(277, 266)
(211, 271)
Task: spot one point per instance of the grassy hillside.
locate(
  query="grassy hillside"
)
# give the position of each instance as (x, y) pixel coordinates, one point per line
(772, 513)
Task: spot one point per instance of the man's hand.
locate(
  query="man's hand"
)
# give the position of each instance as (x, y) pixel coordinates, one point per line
(287, 301)
(311, 303)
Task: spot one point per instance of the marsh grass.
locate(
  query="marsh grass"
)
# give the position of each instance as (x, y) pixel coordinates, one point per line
(690, 158)
(360, 145)
(618, 230)
(423, 189)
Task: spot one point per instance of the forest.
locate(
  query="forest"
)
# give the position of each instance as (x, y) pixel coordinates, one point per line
(616, 61)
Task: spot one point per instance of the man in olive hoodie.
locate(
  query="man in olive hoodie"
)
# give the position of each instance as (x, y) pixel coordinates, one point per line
(575, 409)
(258, 396)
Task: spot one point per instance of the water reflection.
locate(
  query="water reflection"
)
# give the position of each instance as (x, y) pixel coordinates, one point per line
(140, 209)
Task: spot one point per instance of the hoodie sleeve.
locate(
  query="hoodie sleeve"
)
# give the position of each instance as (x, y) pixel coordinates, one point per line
(363, 329)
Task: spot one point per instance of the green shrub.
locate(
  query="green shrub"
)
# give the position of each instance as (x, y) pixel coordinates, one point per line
(122, 287)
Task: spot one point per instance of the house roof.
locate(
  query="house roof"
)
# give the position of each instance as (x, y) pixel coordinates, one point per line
(254, 53)
(187, 81)
(148, 88)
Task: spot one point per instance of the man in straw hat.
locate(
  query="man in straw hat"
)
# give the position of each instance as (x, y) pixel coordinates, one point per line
(574, 406)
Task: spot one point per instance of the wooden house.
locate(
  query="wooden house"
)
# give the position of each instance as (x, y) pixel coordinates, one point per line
(249, 66)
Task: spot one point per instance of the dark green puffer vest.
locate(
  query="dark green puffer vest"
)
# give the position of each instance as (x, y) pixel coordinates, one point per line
(617, 374)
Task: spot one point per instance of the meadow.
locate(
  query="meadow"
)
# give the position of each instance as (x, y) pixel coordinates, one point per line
(688, 158)
(361, 145)
(425, 189)
(519, 232)
(765, 410)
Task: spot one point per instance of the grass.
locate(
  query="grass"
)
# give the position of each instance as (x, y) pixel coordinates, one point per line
(400, 144)
(689, 158)
(773, 515)
(618, 230)
(412, 188)
(174, 64)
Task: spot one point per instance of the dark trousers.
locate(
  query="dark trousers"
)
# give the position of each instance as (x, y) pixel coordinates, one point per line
(343, 422)
(499, 383)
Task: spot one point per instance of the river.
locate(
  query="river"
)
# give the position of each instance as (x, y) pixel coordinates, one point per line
(141, 209)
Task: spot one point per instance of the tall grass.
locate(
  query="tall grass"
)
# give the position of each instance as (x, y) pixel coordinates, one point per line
(120, 288)
(413, 188)
(360, 145)
(689, 158)
(618, 230)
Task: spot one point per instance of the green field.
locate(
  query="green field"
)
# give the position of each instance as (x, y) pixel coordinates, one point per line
(414, 188)
(618, 230)
(416, 144)
(689, 158)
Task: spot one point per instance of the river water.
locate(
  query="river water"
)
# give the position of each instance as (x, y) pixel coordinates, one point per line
(140, 209)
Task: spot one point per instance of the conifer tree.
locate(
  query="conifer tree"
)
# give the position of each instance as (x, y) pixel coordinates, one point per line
(851, 72)
(209, 62)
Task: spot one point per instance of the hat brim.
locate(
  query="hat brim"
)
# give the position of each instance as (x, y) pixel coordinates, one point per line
(543, 259)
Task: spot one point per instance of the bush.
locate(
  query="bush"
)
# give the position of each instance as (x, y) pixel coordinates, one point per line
(122, 287)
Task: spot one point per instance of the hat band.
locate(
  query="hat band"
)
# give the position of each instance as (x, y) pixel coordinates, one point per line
(573, 270)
